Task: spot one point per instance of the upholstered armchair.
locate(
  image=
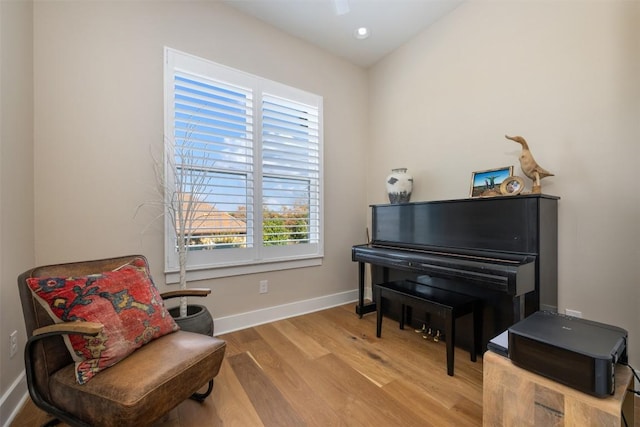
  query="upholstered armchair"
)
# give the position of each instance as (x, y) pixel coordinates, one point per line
(164, 366)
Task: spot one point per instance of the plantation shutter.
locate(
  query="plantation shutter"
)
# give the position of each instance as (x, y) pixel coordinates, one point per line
(213, 132)
(247, 154)
(290, 172)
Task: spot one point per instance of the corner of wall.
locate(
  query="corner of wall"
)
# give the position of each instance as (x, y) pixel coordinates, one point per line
(11, 402)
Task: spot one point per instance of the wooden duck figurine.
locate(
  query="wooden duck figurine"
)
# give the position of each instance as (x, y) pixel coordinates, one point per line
(529, 166)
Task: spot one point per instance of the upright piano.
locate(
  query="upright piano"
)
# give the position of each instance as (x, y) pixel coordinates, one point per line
(502, 250)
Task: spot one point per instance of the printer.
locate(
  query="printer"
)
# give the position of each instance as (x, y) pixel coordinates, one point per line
(577, 352)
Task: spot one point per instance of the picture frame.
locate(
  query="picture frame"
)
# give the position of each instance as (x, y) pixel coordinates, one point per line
(512, 186)
(487, 183)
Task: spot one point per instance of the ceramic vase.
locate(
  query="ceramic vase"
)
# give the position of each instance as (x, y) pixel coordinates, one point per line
(399, 186)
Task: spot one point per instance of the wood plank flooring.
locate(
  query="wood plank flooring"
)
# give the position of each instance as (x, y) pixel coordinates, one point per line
(329, 369)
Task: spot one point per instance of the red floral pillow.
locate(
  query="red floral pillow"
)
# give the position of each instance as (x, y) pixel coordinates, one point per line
(125, 301)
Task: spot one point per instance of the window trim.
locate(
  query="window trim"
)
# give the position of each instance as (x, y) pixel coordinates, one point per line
(203, 273)
(282, 258)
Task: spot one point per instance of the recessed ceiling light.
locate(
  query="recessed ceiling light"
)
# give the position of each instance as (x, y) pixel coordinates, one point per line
(362, 33)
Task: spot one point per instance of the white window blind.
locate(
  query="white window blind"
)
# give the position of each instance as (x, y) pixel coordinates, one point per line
(290, 172)
(245, 155)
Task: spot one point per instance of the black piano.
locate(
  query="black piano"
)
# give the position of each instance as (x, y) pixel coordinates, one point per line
(502, 250)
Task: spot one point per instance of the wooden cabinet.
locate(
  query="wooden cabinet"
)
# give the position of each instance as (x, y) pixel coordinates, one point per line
(515, 397)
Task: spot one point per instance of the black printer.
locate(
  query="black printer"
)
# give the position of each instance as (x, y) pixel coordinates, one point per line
(577, 352)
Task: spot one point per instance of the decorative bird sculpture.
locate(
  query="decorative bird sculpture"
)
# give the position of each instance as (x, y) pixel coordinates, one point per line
(529, 166)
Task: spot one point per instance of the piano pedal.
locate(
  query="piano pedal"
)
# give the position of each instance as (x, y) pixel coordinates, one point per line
(428, 334)
(437, 337)
(424, 328)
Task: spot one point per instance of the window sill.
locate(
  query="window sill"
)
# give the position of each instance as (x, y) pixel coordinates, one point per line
(204, 273)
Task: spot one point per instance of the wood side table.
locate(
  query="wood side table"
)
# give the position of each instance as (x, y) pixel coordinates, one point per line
(513, 396)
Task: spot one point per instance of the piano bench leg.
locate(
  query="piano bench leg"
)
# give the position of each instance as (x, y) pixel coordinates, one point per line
(476, 330)
(379, 318)
(447, 306)
(449, 330)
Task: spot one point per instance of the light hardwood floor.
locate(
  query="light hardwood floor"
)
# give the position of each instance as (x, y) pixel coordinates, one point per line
(329, 369)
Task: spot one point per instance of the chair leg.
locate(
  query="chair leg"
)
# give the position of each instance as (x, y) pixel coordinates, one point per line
(200, 397)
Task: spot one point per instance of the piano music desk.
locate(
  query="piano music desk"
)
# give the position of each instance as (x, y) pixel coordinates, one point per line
(437, 302)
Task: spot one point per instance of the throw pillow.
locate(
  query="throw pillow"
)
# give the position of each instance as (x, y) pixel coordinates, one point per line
(125, 301)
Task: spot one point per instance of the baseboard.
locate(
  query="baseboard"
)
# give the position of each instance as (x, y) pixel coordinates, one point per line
(236, 322)
(12, 400)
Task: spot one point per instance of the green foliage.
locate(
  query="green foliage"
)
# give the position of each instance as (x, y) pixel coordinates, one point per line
(287, 227)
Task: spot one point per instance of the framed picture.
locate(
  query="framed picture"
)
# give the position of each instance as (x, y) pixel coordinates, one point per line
(511, 186)
(487, 183)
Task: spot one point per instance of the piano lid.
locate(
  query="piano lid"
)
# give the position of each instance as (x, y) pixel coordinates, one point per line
(505, 224)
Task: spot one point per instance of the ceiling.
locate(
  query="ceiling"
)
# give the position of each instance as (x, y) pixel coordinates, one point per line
(331, 24)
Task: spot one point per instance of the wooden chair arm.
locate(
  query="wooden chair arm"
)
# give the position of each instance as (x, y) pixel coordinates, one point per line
(193, 292)
(84, 328)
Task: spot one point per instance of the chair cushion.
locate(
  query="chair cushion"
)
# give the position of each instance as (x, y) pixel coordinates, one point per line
(144, 386)
(125, 301)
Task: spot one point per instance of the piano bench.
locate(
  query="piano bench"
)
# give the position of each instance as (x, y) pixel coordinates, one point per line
(444, 304)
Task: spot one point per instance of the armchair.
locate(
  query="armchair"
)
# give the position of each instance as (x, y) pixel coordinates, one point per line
(137, 390)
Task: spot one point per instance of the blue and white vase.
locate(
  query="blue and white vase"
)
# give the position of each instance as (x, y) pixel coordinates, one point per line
(399, 186)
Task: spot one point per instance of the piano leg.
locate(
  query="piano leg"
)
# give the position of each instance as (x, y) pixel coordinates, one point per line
(360, 289)
(518, 308)
(361, 308)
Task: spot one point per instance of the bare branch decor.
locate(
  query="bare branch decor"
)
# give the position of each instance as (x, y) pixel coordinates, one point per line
(183, 182)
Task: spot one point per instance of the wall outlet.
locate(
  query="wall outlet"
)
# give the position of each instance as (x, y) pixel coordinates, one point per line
(574, 313)
(264, 286)
(13, 344)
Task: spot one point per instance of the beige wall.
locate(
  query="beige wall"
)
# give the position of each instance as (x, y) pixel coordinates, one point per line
(98, 113)
(16, 187)
(82, 111)
(565, 75)
(562, 74)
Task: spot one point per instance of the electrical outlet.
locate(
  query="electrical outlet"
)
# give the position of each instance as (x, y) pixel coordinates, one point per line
(574, 313)
(264, 286)
(13, 344)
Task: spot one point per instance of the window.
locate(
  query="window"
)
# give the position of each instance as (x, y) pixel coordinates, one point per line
(244, 159)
